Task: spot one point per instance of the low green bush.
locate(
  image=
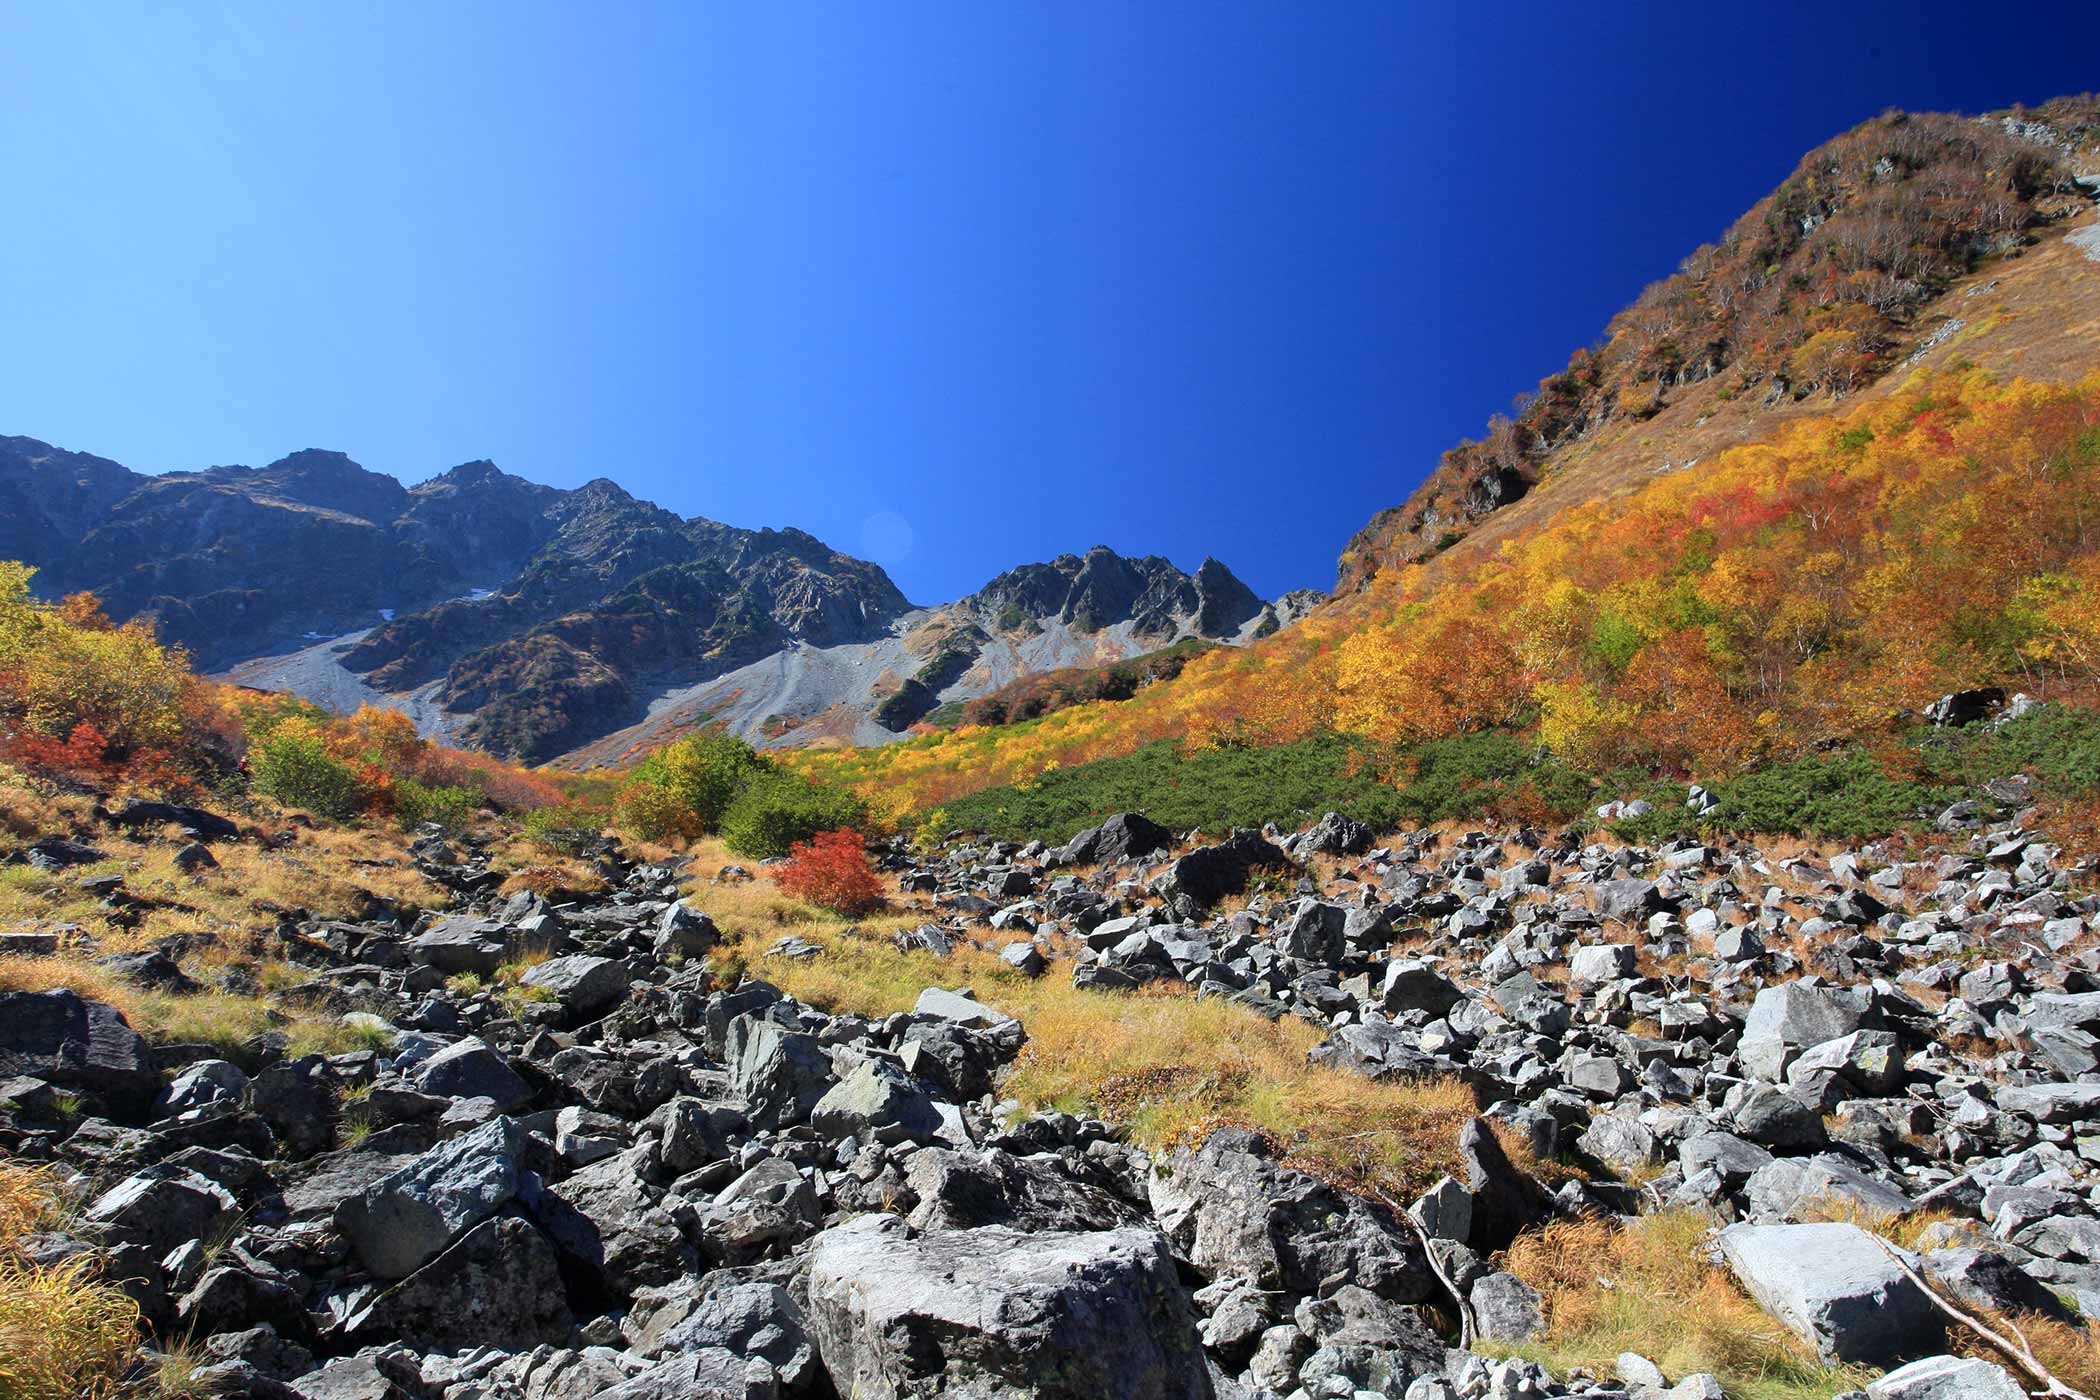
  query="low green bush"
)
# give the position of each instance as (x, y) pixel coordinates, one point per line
(298, 771)
(776, 809)
(451, 808)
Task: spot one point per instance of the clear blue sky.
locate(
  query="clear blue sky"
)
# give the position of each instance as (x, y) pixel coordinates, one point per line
(953, 285)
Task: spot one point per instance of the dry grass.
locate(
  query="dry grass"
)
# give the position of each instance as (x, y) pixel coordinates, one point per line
(1647, 1288)
(63, 1334)
(1160, 1060)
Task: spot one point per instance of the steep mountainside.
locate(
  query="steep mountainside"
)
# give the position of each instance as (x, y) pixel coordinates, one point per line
(1680, 565)
(1816, 292)
(533, 621)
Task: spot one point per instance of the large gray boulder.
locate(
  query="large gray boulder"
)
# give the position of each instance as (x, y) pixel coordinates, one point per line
(1099, 1315)
(161, 1207)
(1832, 1285)
(685, 932)
(781, 1073)
(462, 943)
(405, 1219)
(1947, 1378)
(75, 1044)
(469, 1069)
(1787, 1019)
(750, 1317)
(499, 1286)
(1123, 837)
(1232, 1212)
(585, 986)
(1209, 873)
(877, 1102)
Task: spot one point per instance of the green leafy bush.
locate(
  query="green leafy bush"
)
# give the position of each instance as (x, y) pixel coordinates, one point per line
(686, 788)
(298, 771)
(451, 808)
(778, 809)
(568, 827)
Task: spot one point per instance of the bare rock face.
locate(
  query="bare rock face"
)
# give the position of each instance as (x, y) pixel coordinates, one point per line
(1236, 1214)
(1098, 1315)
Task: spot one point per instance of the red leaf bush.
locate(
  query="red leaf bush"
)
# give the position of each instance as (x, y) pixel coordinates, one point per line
(831, 870)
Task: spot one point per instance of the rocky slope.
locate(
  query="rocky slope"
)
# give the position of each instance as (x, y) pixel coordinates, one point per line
(1883, 251)
(533, 622)
(638, 1176)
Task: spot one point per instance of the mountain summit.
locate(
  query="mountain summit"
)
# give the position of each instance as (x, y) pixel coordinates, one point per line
(534, 621)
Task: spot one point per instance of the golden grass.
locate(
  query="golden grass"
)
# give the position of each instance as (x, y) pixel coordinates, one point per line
(1168, 1065)
(63, 1334)
(1646, 1288)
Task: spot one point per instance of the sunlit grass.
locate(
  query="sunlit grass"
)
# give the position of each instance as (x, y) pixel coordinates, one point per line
(1160, 1060)
(63, 1334)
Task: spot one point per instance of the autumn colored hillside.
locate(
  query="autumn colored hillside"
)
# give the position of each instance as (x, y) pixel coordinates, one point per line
(1820, 289)
(1840, 464)
(1780, 596)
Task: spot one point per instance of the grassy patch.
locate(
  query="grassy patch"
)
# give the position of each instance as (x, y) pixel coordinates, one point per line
(1646, 1288)
(1162, 1061)
(63, 1334)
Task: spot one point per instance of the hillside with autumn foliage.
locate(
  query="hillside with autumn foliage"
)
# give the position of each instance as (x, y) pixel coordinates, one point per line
(1783, 596)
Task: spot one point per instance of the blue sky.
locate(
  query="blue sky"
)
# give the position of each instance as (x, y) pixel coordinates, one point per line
(955, 286)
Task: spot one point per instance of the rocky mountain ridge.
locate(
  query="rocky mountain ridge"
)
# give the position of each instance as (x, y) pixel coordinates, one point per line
(534, 621)
(1820, 290)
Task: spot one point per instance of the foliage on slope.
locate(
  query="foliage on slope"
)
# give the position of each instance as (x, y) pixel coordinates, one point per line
(1808, 292)
(1794, 593)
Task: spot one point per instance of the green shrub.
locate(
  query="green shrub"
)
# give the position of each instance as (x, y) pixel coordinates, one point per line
(685, 788)
(568, 827)
(299, 771)
(451, 808)
(1847, 795)
(778, 809)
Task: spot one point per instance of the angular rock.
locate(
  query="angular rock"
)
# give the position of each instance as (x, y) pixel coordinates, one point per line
(586, 987)
(992, 1312)
(405, 1219)
(1835, 1289)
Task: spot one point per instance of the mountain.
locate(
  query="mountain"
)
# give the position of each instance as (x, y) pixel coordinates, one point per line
(536, 622)
(1818, 291)
(1840, 465)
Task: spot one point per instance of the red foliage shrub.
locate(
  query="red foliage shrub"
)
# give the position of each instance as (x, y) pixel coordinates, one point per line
(831, 870)
(82, 755)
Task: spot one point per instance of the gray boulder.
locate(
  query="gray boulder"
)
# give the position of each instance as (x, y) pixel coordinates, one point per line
(405, 1219)
(462, 943)
(781, 1073)
(685, 932)
(1947, 1378)
(876, 1102)
(1414, 984)
(1123, 837)
(1337, 835)
(469, 1069)
(1209, 873)
(996, 1312)
(1507, 1309)
(585, 986)
(1831, 1284)
(1233, 1212)
(75, 1044)
(1787, 1019)
(499, 1286)
(161, 1207)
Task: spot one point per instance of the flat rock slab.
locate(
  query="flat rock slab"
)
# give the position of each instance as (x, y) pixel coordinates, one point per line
(1096, 1315)
(1832, 1285)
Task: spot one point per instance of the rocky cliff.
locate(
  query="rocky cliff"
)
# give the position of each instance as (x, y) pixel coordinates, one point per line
(534, 621)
